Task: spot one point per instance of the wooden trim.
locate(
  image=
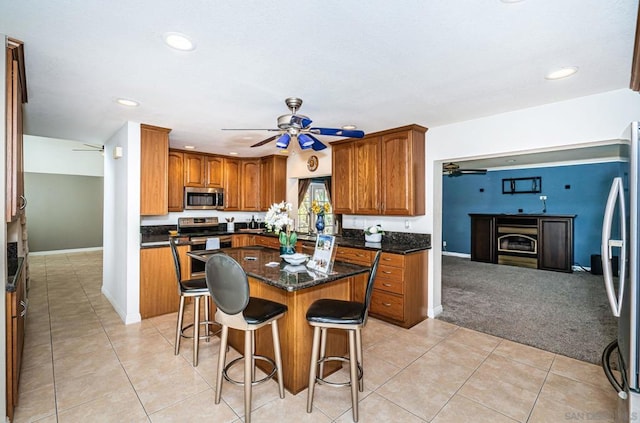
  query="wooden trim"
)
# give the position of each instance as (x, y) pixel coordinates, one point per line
(413, 127)
(17, 51)
(635, 66)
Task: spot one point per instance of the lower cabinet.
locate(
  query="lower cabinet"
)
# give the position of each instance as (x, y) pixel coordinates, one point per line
(16, 310)
(158, 285)
(267, 241)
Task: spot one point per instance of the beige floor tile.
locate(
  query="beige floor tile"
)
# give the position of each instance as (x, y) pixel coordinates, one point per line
(434, 327)
(197, 408)
(81, 345)
(549, 411)
(37, 356)
(479, 341)
(525, 354)
(460, 409)
(36, 377)
(71, 392)
(290, 409)
(387, 350)
(36, 405)
(117, 406)
(163, 389)
(579, 395)
(518, 374)
(76, 365)
(375, 408)
(459, 354)
(497, 393)
(580, 370)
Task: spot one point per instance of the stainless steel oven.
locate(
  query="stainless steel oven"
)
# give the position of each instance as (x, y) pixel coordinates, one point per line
(199, 243)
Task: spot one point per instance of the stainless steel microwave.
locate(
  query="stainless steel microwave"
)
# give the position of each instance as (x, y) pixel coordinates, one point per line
(203, 198)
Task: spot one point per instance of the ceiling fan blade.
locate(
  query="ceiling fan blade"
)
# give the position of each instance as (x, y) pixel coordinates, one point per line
(249, 129)
(263, 142)
(317, 145)
(338, 132)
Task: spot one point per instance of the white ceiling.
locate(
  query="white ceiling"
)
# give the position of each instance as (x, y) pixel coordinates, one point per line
(377, 64)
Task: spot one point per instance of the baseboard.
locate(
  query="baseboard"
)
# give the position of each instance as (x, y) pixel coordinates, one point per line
(73, 250)
(434, 312)
(451, 253)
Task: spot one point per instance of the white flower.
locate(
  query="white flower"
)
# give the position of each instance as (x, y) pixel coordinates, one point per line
(376, 229)
(373, 230)
(277, 217)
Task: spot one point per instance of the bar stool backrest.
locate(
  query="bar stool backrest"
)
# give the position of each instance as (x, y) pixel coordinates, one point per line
(372, 277)
(228, 284)
(176, 259)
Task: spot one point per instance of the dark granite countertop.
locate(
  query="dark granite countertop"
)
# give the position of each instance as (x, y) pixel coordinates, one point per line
(14, 267)
(254, 261)
(409, 243)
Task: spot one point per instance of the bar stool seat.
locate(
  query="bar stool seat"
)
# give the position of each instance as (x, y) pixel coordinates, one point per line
(198, 290)
(236, 309)
(351, 316)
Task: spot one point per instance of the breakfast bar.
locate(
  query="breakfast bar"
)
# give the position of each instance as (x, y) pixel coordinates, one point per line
(296, 287)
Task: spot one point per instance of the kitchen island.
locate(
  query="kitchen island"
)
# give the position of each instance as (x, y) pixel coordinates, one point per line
(297, 290)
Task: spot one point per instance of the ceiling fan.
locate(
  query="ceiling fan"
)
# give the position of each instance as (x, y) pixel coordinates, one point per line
(91, 147)
(453, 169)
(298, 127)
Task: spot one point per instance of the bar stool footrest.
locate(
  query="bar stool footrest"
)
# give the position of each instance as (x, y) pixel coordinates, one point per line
(254, 382)
(322, 381)
(207, 325)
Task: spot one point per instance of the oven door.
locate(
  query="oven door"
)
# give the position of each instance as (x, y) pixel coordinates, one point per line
(199, 244)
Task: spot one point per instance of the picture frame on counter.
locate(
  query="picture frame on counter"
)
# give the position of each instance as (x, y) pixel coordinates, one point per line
(324, 254)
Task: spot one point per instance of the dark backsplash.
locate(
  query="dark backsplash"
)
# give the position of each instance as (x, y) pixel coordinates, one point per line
(391, 237)
(12, 250)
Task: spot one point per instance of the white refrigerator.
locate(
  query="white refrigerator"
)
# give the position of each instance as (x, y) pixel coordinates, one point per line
(620, 238)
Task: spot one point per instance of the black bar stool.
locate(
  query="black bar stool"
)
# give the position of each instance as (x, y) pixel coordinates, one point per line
(196, 289)
(236, 309)
(346, 315)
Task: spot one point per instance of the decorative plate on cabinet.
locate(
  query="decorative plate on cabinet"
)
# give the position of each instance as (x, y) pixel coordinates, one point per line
(312, 163)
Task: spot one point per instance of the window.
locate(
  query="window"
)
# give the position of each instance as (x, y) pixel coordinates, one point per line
(317, 191)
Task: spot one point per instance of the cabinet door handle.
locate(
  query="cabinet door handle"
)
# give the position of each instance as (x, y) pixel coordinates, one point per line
(386, 284)
(24, 202)
(23, 303)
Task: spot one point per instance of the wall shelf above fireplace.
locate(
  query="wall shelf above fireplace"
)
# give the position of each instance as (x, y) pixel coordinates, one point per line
(530, 185)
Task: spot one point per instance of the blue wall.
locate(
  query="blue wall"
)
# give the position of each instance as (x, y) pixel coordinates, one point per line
(586, 198)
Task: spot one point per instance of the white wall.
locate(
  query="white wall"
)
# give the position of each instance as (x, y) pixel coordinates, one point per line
(54, 155)
(121, 251)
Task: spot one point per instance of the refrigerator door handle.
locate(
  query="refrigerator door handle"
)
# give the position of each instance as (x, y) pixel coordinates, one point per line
(616, 197)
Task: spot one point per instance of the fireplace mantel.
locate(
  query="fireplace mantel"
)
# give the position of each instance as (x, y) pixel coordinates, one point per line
(540, 241)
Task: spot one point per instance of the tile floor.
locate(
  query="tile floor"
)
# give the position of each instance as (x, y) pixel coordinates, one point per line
(81, 363)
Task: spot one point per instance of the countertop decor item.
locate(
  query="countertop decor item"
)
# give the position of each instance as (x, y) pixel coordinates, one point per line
(373, 234)
(295, 259)
(319, 210)
(277, 220)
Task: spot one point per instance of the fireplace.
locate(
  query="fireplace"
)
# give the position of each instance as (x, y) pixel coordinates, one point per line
(518, 244)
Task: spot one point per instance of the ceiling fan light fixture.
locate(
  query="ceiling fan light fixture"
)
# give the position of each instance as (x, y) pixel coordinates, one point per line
(283, 141)
(305, 141)
(178, 41)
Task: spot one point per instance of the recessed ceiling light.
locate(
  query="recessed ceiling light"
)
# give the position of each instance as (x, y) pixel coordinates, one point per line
(190, 147)
(284, 151)
(511, 160)
(562, 72)
(127, 102)
(233, 153)
(178, 41)
(349, 127)
(511, 1)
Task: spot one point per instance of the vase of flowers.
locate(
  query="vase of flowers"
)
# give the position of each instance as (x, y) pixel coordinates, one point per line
(373, 234)
(319, 211)
(278, 221)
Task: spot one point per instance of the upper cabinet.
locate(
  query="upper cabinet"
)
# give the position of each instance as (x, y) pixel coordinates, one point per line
(249, 184)
(16, 95)
(202, 170)
(176, 181)
(231, 184)
(380, 174)
(154, 169)
(273, 176)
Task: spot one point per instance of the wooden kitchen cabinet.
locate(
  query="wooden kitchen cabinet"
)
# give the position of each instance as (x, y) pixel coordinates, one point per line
(243, 240)
(231, 184)
(176, 181)
(16, 95)
(194, 170)
(249, 184)
(214, 172)
(267, 241)
(380, 174)
(16, 311)
(342, 177)
(158, 285)
(273, 180)
(154, 170)
(400, 289)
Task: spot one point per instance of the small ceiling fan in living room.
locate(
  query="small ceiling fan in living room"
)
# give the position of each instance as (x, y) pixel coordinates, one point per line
(454, 169)
(296, 126)
(91, 147)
